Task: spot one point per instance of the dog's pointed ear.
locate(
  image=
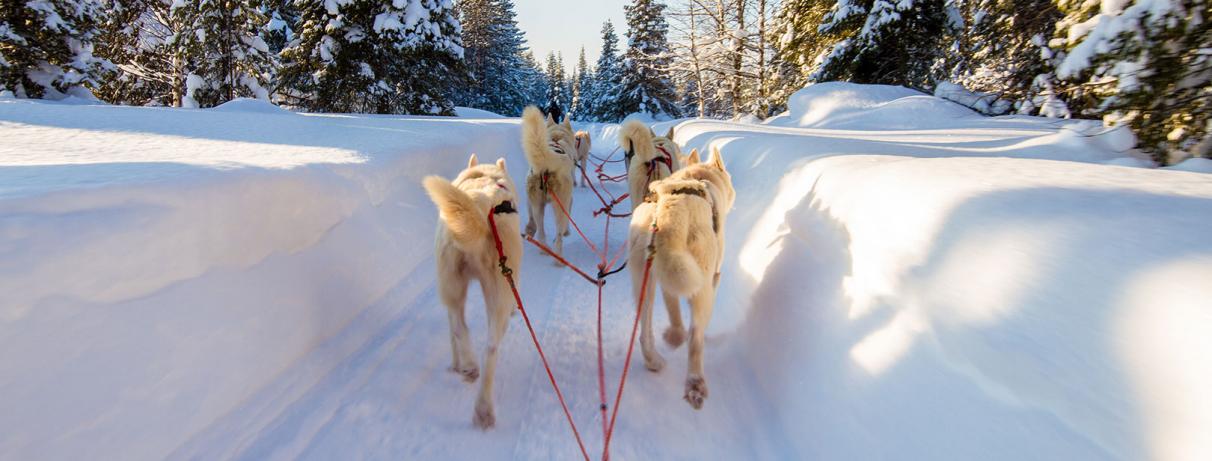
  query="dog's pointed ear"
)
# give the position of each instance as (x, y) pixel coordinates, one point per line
(669, 134)
(550, 121)
(567, 123)
(716, 159)
(501, 163)
(472, 161)
(693, 158)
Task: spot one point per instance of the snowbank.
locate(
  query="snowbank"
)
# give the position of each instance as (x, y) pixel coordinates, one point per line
(468, 112)
(160, 266)
(940, 300)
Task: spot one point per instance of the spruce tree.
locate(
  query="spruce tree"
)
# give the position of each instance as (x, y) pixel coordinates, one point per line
(378, 56)
(895, 42)
(1146, 65)
(493, 52)
(582, 87)
(223, 50)
(46, 47)
(797, 42)
(645, 85)
(608, 79)
(556, 86)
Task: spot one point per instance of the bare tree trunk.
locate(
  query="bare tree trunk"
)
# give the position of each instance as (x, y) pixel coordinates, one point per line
(738, 54)
(694, 56)
(763, 100)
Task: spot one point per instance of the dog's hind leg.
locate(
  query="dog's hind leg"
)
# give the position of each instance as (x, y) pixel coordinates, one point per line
(561, 221)
(452, 287)
(675, 335)
(497, 299)
(700, 314)
(652, 359)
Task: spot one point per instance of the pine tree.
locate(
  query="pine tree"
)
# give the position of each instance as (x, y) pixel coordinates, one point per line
(534, 80)
(645, 85)
(999, 47)
(279, 29)
(556, 86)
(608, 79)
(895, 42)
(582, 87)
(225, 55)
(379, 56)
(797, 42)
(46, 47)
(493, 51)
(1147, 65)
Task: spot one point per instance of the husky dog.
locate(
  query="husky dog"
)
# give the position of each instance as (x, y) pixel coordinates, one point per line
(549, 148)
(646, 160)
(465, 250)
(582, 155)
(689, 210)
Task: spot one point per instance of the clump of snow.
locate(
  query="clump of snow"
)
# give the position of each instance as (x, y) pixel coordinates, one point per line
(250, 105)
(985, 103)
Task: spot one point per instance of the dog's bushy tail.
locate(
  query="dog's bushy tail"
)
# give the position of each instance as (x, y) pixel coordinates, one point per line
(467, 223)
(635, 137)
(673, 265)
(534, 136)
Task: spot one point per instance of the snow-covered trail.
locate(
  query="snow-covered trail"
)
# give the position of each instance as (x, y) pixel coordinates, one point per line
(392, 397)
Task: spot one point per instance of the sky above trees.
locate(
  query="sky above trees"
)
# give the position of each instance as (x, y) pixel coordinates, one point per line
(564, 26)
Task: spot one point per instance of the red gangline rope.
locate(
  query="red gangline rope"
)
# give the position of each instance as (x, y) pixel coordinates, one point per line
(508, 274)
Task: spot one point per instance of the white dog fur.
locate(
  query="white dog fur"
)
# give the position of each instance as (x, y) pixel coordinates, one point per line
(465, 250)
(689, 208)
(582, 156)
(644, 158)
(549, 148)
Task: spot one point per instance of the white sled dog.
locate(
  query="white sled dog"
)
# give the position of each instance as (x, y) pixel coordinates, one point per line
(465, 250)
(689, 209)
(549, 148)
(582, 156)
(648, 158)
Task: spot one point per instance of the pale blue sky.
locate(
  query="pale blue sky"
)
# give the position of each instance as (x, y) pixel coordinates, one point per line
(564, 26)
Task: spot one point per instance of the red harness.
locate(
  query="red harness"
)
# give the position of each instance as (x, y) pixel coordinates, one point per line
(667, 159)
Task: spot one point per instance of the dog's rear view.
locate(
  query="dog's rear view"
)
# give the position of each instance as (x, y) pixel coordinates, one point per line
(465, 249)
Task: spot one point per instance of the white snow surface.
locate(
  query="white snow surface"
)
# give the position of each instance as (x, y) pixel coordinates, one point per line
(903, 279)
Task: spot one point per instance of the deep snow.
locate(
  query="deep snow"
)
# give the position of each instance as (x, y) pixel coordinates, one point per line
(904, 279)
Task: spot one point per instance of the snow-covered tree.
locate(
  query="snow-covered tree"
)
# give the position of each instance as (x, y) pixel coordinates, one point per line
(534, 80)
(1146, 64)
(224, 53)
(797, 41)
(646, 86)
(493, 51)
(557, 86)
(379, 56)
(582, 83)
(46, 47)
(997, 48)
(279, 29)
(608, 79)
(897, 42)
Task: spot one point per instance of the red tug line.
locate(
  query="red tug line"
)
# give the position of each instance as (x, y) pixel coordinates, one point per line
(605, 268)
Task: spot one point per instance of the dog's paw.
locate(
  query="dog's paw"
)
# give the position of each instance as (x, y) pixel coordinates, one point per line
(469, 374)
(567, 232)
(696, 391)
(530, 229)
(484, 419)
(674, 336)
(655, 363)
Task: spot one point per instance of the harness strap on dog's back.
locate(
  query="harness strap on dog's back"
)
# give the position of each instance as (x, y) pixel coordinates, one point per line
(715, 215)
